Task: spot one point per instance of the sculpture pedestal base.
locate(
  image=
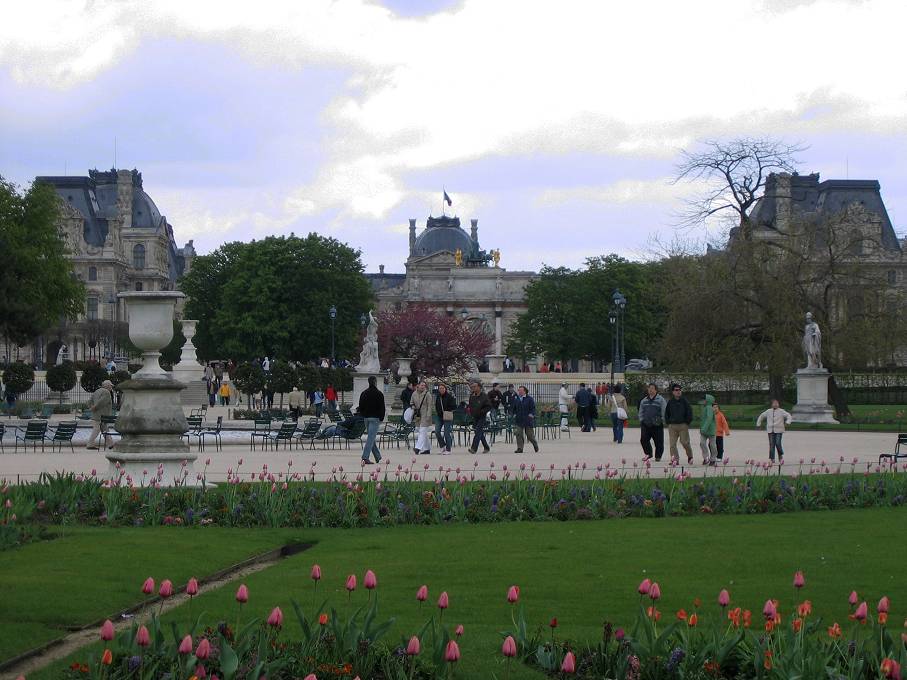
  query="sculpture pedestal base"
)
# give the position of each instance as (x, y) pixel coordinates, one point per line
(812, 397)
(360, 383)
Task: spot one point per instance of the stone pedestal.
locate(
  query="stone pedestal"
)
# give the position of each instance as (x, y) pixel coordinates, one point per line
(812, 397)
(495, 363)
(189, 370)
(360, 384)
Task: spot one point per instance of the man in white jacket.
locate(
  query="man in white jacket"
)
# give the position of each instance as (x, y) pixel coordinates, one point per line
(775, 419)
(563, 405)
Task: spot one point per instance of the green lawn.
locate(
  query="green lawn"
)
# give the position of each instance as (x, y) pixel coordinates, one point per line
(582, 572)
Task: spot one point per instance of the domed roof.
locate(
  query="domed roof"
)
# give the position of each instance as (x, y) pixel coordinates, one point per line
(442, 234)
(144, 212)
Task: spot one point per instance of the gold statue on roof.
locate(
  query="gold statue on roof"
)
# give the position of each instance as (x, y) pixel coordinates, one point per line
(458, 257)
(496, 256)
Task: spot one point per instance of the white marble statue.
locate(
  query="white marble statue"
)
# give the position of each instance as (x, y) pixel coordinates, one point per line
(812, 343)
(61, 355)
(368, 359)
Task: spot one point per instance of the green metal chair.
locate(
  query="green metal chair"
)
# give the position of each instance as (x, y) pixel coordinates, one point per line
(284, 434)
(34, 433)
(260, 430)
(63, 435)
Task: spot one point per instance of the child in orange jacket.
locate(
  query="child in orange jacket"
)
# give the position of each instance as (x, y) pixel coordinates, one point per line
(721, 430)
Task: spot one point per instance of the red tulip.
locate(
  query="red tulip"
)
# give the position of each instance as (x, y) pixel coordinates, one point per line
(853, 599)
(370, 581)
(107, 631)
(508, 649)
(186, 645)
(276, 618)
(553, 622)
(106, 659)
(654, 591)
(458, 631)
(769, 610)
(166, 588)
(724, 598)
(242, 594)
(452, 653)
(442, 601)
(142, 638)
(422, 593)
(883, 605)
(644, 587)
(322, 619)
(569, 664)
(351, 582)
(862, 612)
(192, 587)
(513, 594)
(148, 586)
(799, 580)
(203, 651)
(413, 648)
(316, 572)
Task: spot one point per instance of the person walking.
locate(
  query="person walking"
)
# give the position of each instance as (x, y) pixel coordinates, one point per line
(678, 416)
(371, 408)
(331, 395)
(479, 406)
(212, 392)
(582, 408)
(445, 404)
(100, 404)
(509, 396)
(295, 402)
(319, 401)
(563, 405)
(722, 430)
(224, 394)
(406, 394)
(708, 431)
(651, 423)
(775, 419)
(617, 409)
(593, 409)
(495, 397)
(421, 405)
(524, 419)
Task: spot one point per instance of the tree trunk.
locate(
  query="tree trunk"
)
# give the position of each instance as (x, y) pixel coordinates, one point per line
(776, 386)
(837, 398)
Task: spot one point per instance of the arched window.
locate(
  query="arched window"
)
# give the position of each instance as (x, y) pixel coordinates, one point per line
(92, 311)
(92, 273)
(138, 256)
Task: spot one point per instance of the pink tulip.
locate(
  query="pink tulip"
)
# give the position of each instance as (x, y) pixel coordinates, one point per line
(422, 593)
(724, 598)
(458, 631)
(242, 594)
(509, 647)
(644, 587)
(769, 610)
(186, 645)
(316, 572)
(192, 587)
(142, 638)
(107, 631)
(655, 591)
(443, 601)
(413, 648)
(351, 582)
(311, 676)
(513, 594)
(276, 618)
(883, 605)
(203, 651)
(799, 580)
(166, 588)
(569, 665)
(370, 581)
(862, 612)
(452, 653)
(148, 586)
(853, 599)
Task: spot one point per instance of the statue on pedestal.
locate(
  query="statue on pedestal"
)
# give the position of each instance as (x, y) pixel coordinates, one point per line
(368, 358)
(812, 343)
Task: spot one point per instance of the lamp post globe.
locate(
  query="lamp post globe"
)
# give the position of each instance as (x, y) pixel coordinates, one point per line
(332, 312)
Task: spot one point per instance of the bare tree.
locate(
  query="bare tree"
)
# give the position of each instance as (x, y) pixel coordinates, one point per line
(734, 173)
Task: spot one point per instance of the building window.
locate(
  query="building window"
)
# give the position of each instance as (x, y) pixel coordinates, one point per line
(892, 277)
(138, 256)
(92, 273)
(138, 285)
(92, 309)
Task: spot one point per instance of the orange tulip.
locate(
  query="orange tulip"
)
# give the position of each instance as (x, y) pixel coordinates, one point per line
(682, 615)
(693, 620)
(797, 624)
(834, 631)
(767, 661)
(107, 657)
(805, 609)
(769, 626)
(747, 616)
(883, 618)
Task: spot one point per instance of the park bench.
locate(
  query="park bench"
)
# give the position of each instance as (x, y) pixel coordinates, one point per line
(63, 435)
(893, 457)
(34, 433)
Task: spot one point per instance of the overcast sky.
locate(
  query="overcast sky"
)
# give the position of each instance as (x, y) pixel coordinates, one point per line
(557, 125)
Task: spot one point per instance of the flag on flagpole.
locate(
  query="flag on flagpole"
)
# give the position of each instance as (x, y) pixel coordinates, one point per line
(447, 199)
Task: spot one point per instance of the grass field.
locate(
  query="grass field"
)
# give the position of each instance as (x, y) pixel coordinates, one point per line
(581, 572)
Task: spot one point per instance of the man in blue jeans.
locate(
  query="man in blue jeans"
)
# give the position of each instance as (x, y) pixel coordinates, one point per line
(371, 407)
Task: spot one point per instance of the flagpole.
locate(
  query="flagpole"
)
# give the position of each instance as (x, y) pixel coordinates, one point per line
(443, 202)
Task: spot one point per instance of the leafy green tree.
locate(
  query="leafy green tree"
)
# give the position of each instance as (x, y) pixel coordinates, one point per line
(92, 377)
(272, 297)
(249, 378)
(283, 378)
(18, 378)
(61, 378)
(37, 287)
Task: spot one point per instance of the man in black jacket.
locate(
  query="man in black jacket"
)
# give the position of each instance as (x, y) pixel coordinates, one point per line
(582, 408)
(678, 416)
(371, 407)
(479, 406)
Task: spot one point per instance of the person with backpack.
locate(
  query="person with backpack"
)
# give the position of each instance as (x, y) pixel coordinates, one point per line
(708, 428)
(651, 423)
(617, 408)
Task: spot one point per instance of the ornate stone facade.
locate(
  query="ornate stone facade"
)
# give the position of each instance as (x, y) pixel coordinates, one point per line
(447, 270)
(118, 241)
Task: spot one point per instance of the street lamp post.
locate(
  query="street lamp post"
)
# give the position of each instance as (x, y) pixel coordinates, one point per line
(619, 302)
(332, 312)
(612, 318)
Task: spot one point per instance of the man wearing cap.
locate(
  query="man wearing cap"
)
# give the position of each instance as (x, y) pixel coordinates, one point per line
(678, 416)
(100, 404)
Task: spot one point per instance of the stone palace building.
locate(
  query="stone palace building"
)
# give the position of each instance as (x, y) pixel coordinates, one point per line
(118, 241)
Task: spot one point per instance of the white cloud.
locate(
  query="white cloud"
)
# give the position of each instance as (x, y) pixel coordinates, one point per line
(621, 192)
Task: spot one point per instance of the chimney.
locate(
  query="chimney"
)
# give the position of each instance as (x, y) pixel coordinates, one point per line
(475, 231)
(380, 268)
(412, 236)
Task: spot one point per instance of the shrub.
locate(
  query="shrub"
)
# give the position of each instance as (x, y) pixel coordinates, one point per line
(18, 378)
(61, 378)
(120, 376)
(92, 377)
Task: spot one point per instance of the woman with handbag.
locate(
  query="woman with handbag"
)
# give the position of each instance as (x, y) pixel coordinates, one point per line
(618, 410)
(444, 410)
(420, 402)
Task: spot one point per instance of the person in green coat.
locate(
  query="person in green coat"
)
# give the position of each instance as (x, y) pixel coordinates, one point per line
(707, 432)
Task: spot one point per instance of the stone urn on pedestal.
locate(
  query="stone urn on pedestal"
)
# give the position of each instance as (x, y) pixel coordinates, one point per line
(404, 370)
(495, 363)
(151, 419)
(190, 370)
